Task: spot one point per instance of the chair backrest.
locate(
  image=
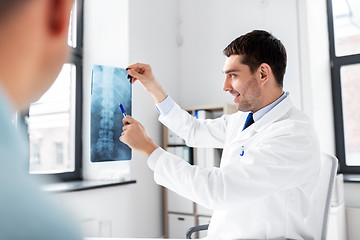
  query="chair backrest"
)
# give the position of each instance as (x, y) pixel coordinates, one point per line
(319, 211)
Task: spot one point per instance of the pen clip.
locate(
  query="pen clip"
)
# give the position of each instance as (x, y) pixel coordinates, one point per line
(242, 151)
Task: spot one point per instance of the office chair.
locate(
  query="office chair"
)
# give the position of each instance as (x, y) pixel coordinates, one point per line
(195, 229)
(321, 196)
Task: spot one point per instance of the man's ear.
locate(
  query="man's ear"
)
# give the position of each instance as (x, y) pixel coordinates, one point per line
(59, 16)
(264, 72)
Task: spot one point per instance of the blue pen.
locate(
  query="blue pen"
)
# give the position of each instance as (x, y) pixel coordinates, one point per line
(122, 109)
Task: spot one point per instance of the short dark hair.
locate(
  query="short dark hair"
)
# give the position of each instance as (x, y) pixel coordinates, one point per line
(8, 6)
(259, 47)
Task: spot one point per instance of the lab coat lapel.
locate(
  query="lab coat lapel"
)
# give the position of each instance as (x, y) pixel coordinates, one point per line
(245, 138)
(247, 133)
(274, 114)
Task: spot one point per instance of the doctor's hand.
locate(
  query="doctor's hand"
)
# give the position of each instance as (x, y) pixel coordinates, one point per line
(143, 73)
(136, 137)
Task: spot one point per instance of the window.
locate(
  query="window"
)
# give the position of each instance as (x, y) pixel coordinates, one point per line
(346, 25)
(35, 154)
(50, 122)
(54, 121)
(344, 38)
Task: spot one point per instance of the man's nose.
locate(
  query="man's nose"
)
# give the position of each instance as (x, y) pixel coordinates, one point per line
(227, 84)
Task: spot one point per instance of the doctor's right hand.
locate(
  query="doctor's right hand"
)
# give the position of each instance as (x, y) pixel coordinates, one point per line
(136, 137)
(143, 73)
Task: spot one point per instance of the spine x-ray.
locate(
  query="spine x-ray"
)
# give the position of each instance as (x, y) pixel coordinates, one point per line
(109, 88)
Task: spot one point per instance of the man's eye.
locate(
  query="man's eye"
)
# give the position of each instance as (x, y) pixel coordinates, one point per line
(232, 75)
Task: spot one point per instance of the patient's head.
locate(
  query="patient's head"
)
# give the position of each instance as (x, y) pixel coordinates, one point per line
(33, 46)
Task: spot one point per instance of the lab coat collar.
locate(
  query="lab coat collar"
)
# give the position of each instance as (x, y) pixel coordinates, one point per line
(274, 114)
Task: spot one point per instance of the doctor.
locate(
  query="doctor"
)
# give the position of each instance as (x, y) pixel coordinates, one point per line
(271, 156)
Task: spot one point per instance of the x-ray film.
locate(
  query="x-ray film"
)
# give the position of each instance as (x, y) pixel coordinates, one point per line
(109, 87)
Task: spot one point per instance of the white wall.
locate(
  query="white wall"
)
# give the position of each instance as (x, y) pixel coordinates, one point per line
(153, 40)
(207, 27)
(352, 203)
(316, 68)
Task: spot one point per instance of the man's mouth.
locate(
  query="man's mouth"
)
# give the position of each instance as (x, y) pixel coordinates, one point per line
(236, 96)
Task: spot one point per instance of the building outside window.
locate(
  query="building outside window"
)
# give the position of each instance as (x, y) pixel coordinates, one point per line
(35, 154)
(50, 122)
(59, 149)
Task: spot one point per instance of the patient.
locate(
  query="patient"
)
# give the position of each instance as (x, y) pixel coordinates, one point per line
(33, 48)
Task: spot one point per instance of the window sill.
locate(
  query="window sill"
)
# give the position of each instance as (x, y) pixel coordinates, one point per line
(82, 185)
(352, 178)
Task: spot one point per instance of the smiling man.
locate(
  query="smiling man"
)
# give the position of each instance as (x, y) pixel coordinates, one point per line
(271, 156)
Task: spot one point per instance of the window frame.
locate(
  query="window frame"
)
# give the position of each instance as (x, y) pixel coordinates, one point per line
(336, 62)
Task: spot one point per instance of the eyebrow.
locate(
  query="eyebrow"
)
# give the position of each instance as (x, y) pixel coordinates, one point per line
(230, 71)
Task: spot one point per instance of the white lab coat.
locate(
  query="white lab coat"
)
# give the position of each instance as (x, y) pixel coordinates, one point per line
(263, 194)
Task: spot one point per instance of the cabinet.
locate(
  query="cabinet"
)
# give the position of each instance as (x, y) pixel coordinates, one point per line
(179, 211)
(179, 224)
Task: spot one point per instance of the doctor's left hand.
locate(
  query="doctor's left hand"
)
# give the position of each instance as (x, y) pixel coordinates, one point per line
(136, 137)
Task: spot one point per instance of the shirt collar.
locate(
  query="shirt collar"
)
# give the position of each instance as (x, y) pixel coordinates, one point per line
(260, 113)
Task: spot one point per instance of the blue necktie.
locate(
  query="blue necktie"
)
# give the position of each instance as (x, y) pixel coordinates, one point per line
(249, 121)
